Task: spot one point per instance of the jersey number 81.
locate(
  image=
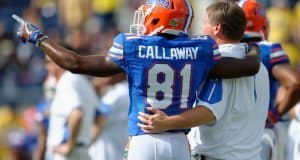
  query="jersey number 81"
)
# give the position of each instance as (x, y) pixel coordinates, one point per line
(161, 79)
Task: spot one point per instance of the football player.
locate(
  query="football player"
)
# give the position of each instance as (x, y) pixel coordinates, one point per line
(164, 66)
(280, 73)
(231, 112)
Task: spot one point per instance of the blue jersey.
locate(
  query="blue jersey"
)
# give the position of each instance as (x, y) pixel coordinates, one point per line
(272, 54)
(162, 73)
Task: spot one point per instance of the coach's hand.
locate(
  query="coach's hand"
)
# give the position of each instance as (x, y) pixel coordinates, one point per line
(63, 149)
(28, 32)
(155, 123)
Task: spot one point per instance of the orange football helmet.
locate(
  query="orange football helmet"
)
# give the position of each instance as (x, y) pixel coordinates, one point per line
(257, 23)
(162, 16)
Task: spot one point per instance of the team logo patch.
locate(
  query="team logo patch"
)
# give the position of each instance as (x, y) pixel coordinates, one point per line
(163, 3)
(174, 22)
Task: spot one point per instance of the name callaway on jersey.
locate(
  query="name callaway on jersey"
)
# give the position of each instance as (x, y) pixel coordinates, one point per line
(157, 52)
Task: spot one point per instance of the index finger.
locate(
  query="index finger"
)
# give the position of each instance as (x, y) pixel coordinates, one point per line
(18, 19)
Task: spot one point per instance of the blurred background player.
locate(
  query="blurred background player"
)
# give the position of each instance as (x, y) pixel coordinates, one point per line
(109, 133)
(275, 59)
(19, 143)
(42, 116)
(70, 117)
(294, 126)
(152, 79)
(293, 142)
(229, 111)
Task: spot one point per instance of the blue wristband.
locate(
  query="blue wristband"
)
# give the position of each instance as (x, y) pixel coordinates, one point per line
(40, 39)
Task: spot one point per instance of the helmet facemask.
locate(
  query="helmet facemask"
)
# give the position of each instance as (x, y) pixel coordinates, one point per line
(137, 26)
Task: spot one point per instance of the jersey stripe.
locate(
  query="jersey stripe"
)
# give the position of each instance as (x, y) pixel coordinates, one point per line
(118, 45)
(115, 56)
(277, 54)
(116, 51)
(132, 36)
(216, 54)
(283, 58)
(212, 91)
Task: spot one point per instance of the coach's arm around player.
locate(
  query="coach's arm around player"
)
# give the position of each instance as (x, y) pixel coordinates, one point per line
(102, 66)
(160, 122)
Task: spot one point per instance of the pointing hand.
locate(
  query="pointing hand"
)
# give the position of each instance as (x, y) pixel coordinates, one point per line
(28, 32)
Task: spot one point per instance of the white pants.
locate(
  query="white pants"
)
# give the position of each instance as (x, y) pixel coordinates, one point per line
(164, 146)
(281, 133)
(293, 146)
(269, 145)
(78, 153)
(274, 142)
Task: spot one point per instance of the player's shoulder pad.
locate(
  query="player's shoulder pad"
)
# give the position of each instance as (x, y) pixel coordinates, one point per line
(119, 38)
(274, 47)
(129, 36)
(205, 38)
(270, 44)
(122, 37)
(202, 37)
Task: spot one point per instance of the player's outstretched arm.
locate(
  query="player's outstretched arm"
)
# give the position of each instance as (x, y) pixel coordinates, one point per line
(234, 68)
(289, 77)
(96, 65)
